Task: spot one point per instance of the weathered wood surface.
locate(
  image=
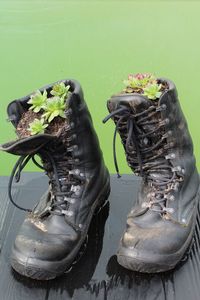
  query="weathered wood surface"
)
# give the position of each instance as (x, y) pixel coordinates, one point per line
(97, 274)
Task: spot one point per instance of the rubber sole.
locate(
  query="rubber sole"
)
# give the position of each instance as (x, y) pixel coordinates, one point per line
(150, 264)
(47, 270)
(38, 273)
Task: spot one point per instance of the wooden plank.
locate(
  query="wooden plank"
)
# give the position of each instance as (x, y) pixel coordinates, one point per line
(97, 275)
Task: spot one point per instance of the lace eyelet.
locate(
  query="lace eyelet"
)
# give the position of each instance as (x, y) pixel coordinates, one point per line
(161, 107)
(164, 122)
(62, 179)
(177, 169)
(171, 145)
(67, 213)
(169, 133)
(75, 189)
(169, 210)
(145, 141)
(171, 198)
(146, 205)
(72, 200)
(167, 121)
(176, 186)
(170, 156)
(76, 172)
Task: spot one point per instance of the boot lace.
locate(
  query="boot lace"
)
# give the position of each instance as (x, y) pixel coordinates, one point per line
(64, 177)
(145, 141)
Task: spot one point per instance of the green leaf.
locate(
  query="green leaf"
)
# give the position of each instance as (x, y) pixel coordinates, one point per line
(138, 82)
(62, 114)
(60, 90)
(46, 115)
(37, 126)
(55, 107)
(38, 101)
(53, 115)
(152, 91)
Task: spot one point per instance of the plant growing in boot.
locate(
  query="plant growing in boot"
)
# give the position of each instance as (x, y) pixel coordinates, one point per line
(152, 91)
(44, 106)
(37, 126)
(158, 148)
(55, 229)
(60, 90)
(38, 101)
(145, 84)
(55, 107)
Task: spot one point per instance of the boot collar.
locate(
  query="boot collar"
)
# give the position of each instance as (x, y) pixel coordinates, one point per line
(29, 145)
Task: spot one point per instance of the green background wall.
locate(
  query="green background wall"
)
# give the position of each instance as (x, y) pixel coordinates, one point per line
(98, 43)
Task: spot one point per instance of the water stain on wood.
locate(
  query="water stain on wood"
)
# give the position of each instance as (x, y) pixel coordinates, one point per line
(96, 274)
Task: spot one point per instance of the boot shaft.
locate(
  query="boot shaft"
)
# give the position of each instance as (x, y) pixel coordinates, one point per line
(78, 135)
(170, 119)
(71, 157)
(158, 147)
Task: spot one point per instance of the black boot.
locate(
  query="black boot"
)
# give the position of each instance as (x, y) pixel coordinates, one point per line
(159, 148)
(53, 232)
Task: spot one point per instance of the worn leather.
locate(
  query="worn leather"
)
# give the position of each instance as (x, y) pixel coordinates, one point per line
(50, 237)
(149, 233)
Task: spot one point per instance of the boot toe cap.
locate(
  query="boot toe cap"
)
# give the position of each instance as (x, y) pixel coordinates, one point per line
(153, 248)
(34, 241)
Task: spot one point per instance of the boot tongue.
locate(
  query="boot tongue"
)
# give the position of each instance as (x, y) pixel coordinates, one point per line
(139, 103)
(147, 122)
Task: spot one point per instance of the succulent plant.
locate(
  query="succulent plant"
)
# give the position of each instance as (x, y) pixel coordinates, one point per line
(132, 83)
(138, 82)
(50, 107)
(37, 126)
(145, 84)
(145, 79)
(38, 101)
(55, 107)
(152, 91)
(60, 90)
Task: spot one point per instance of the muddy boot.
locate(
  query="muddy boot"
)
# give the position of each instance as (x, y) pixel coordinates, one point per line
(159, 148)
(53, 232)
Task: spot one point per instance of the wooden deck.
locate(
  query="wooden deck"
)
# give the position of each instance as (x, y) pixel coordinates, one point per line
(97, 274)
